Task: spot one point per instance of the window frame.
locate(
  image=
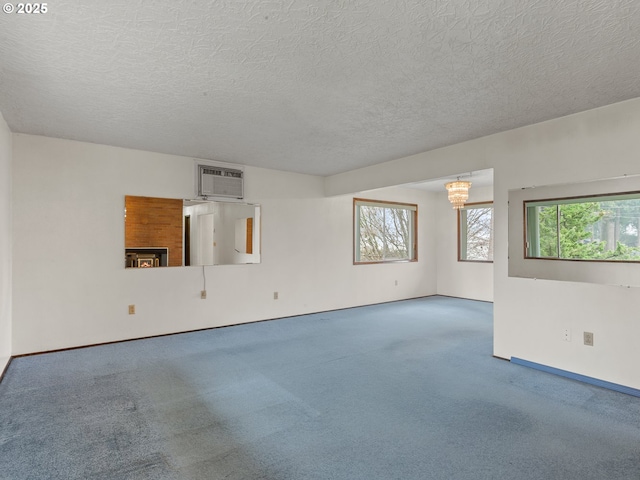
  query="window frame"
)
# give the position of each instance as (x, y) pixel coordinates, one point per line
(565, 201)
(413, 209)
(460, 230)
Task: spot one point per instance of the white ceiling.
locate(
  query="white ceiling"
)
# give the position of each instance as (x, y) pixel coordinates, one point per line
(318, 87)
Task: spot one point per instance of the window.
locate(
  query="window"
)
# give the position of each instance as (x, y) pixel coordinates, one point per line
(475, 232)
(596, 228)
(384, 231)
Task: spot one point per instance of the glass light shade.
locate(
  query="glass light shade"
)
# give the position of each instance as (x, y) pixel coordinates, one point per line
(458, 193)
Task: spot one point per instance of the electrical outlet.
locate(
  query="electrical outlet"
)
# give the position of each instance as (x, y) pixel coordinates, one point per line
(566, 335)
(588, 338)
(132, 309)
(396, 283)
(275, 295)
(203, 294)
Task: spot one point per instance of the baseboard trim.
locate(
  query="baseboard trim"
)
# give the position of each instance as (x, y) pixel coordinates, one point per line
(463, 298)
(576, 376)
(4, 370)
(180, 332)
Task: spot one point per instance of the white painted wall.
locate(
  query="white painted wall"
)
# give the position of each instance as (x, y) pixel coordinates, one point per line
(236, 232)
(530, 314)
(460, 279)
(70, 286)
(6, 152)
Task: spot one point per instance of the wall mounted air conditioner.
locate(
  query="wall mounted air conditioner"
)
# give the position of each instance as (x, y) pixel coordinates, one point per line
(216, 180)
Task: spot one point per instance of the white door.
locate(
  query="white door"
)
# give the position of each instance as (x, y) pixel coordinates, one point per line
(206, 240)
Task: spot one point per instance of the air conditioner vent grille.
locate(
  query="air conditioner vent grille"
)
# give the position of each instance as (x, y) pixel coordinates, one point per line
(220, 182)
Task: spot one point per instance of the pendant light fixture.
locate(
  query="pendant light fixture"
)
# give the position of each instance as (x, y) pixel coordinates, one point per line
(458, 192)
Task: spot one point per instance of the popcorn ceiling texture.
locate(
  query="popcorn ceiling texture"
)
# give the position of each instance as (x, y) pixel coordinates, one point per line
(316, 87)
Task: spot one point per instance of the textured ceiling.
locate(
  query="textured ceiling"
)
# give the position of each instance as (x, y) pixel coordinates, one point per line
(317, 87)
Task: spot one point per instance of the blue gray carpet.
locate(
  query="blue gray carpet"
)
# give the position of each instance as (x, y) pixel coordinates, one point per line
(405, 390)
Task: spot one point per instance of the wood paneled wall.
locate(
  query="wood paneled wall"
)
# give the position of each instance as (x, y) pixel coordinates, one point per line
(154, 222)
